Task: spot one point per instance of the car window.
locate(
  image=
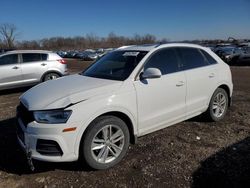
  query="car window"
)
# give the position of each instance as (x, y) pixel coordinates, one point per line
(209, 58)
(192, 58)
(165, 60)
(9, 59)
(32, 57)
(44, 57)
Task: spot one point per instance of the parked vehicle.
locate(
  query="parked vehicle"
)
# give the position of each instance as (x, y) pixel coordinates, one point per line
(62, 54)
(242, 59)
(28, 67)
(229, 53)
(128, 93)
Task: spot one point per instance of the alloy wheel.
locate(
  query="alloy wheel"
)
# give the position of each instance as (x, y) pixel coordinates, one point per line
(219, 104)
(107, 144)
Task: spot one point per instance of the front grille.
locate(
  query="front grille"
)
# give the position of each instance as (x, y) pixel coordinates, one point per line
(48, 147)
(25, 115)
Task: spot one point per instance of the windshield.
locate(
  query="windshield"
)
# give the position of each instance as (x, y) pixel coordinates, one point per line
(117, 65)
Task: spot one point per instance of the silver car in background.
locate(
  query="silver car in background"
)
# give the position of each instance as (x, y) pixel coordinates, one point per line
(28, 67)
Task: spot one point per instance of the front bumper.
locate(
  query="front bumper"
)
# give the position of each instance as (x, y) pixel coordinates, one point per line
(29, 137)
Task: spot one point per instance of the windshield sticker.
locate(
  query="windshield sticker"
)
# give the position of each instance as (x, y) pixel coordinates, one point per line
(131, 53)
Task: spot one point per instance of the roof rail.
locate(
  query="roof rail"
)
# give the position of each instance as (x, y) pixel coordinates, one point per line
(122, 47)
(160, 43)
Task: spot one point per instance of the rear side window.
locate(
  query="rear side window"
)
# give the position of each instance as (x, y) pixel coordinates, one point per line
(44, 57)
(192, 58)
(33, 57)
(209, 58)
(166, 60)
(9, 59)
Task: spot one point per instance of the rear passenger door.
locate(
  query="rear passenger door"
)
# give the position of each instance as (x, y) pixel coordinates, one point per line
(34, 65)
(10, 71)
(201, 76)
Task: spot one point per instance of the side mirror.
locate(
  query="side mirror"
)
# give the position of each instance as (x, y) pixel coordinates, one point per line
(151, 73)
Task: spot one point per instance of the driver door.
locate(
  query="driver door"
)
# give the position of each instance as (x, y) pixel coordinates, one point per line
(161, 101)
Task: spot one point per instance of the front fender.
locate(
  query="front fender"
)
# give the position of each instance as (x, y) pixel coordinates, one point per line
(97, 114)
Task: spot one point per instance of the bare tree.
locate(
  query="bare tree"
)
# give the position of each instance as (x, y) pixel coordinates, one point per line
(84, 42)
(9, 34)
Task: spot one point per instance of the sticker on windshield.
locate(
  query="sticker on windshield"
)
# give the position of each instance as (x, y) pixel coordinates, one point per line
(131, 53)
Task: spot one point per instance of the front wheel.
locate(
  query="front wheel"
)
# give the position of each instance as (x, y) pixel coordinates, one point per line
(105, 142)
(218, 105)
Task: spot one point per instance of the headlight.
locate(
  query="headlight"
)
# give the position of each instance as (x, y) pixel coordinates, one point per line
(52, 116)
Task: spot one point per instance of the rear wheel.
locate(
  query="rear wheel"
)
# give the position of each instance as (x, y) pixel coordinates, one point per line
(51, 76)
(218, 105)
(105, 143)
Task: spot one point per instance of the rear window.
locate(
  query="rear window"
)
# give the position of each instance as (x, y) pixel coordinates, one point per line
(44, 57)
(33, 57)
(209, 58)
(9, 59)
(192, 58)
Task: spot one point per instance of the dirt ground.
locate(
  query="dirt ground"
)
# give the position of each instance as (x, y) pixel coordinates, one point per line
(189, 154)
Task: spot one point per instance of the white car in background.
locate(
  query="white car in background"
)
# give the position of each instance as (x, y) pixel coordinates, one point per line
(128, 93)
(20, 68)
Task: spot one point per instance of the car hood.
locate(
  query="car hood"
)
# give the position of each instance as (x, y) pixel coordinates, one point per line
(65, 91)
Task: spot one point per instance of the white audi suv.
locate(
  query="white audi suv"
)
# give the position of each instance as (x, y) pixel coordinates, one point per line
(126, 94)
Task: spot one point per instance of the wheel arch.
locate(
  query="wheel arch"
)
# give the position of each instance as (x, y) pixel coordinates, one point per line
(227, 89)
(119, 114)
(123, 116)
(127, 120)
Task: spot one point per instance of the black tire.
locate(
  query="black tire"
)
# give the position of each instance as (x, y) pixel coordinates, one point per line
(50, 76)
(210, 113)
(93, 131)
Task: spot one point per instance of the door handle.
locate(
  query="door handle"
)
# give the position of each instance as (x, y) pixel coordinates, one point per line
(211, 75)
(15, 67)
(43, 64)
(180, 83)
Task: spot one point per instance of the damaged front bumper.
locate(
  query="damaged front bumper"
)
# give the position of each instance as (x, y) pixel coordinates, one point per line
(25, 147)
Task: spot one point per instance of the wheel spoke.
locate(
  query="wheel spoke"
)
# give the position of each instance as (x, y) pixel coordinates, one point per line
(217, 111)
(118, 139)
(216, 99)
(105, 133)
(110, 131)
(223, 101)
(97, 146)
(117, 134)
(100, 154)
(105, 154)
(215, 103)
(112, 152)
(97, 140)
(215, 106)
(116, 148)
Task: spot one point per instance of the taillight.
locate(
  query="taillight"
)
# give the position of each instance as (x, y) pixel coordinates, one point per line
(63, 61)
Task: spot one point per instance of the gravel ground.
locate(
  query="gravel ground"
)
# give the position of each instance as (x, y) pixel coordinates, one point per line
(193, 153)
